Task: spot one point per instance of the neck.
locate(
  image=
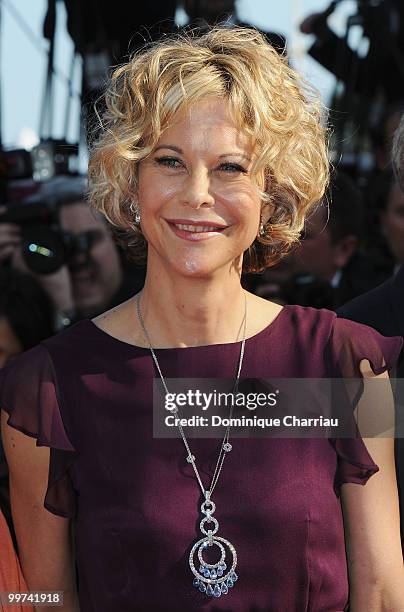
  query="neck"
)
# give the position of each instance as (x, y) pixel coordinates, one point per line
(181, 312)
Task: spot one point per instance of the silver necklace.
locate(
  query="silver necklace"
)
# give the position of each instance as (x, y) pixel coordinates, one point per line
(214, 579)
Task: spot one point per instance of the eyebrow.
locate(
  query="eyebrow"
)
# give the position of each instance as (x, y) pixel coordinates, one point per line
(181, 152)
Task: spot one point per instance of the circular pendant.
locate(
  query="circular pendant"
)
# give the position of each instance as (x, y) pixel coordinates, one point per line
(214, 579)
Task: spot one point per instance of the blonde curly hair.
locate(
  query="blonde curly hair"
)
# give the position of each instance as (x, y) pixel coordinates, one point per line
(269, 101)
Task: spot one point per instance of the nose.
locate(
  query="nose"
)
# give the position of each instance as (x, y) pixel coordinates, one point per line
(197, 190)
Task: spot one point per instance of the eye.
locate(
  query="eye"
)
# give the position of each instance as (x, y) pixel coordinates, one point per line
(232, 168)
(169, 162)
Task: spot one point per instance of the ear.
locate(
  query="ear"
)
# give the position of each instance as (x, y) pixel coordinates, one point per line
(344, 250)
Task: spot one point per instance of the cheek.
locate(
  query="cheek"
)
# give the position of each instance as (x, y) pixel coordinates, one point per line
(155, 190)
(243, 207)
(151, 196)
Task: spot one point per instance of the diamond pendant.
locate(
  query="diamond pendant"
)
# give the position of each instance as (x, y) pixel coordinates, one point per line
(214, 579)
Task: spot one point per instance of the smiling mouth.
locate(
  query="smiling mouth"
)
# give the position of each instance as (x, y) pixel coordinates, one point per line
(195, 232)
(198, 228)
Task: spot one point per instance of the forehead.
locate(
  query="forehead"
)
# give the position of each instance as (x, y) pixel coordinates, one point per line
(207, 124)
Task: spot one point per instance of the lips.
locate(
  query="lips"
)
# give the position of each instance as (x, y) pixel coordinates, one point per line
(195, 231)
(199, 223)
(196, 228)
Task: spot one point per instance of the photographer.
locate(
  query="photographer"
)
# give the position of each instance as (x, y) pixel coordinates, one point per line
(381, 67)
(82, 270)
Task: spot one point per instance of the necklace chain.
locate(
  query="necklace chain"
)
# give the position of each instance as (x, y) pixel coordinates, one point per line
(225, 446)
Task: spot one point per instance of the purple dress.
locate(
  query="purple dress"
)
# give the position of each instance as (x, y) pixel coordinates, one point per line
(88, 396)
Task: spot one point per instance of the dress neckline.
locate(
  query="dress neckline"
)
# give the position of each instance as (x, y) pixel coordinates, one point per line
(268, 329)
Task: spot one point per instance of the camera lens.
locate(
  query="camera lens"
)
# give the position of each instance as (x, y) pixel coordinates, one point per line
(43, 250)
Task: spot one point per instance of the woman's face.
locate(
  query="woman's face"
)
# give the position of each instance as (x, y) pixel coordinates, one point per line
(199, 174)
(393, 223)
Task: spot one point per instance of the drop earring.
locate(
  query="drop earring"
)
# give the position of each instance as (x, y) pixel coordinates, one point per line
(134, 208)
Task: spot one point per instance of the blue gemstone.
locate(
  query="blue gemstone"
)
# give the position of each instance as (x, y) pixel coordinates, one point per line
(219, 572)
(196, 582)
(206, 572)
(223, 565)
(209, 590)
(202, 588)
(229, 583)
(217, 591)
(233, 576)
(213, 574)
(202, 570)
(225, 590)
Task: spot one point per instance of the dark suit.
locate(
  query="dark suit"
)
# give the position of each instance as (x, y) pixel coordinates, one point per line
(361, 274)
(383, 309)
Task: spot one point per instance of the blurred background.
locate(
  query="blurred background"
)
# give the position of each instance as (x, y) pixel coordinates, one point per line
(59, 262)
(24, 52)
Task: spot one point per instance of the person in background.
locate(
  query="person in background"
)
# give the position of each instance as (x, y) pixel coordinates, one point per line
(383, 307)
(382, 134)
(330, 266)
(11, 577)
(94, 277)
(380, 67)
(26, 318)
(392, 223)
(26, 313)
(385, 222)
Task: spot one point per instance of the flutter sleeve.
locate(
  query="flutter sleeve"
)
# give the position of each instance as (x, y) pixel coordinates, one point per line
(349, 344)
(30, 395)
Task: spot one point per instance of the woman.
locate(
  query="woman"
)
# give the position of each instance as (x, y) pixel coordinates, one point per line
(211, 156)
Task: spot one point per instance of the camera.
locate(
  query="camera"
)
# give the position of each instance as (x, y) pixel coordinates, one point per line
(46, 247)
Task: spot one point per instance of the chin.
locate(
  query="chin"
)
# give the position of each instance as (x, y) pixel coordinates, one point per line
(194, 268)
